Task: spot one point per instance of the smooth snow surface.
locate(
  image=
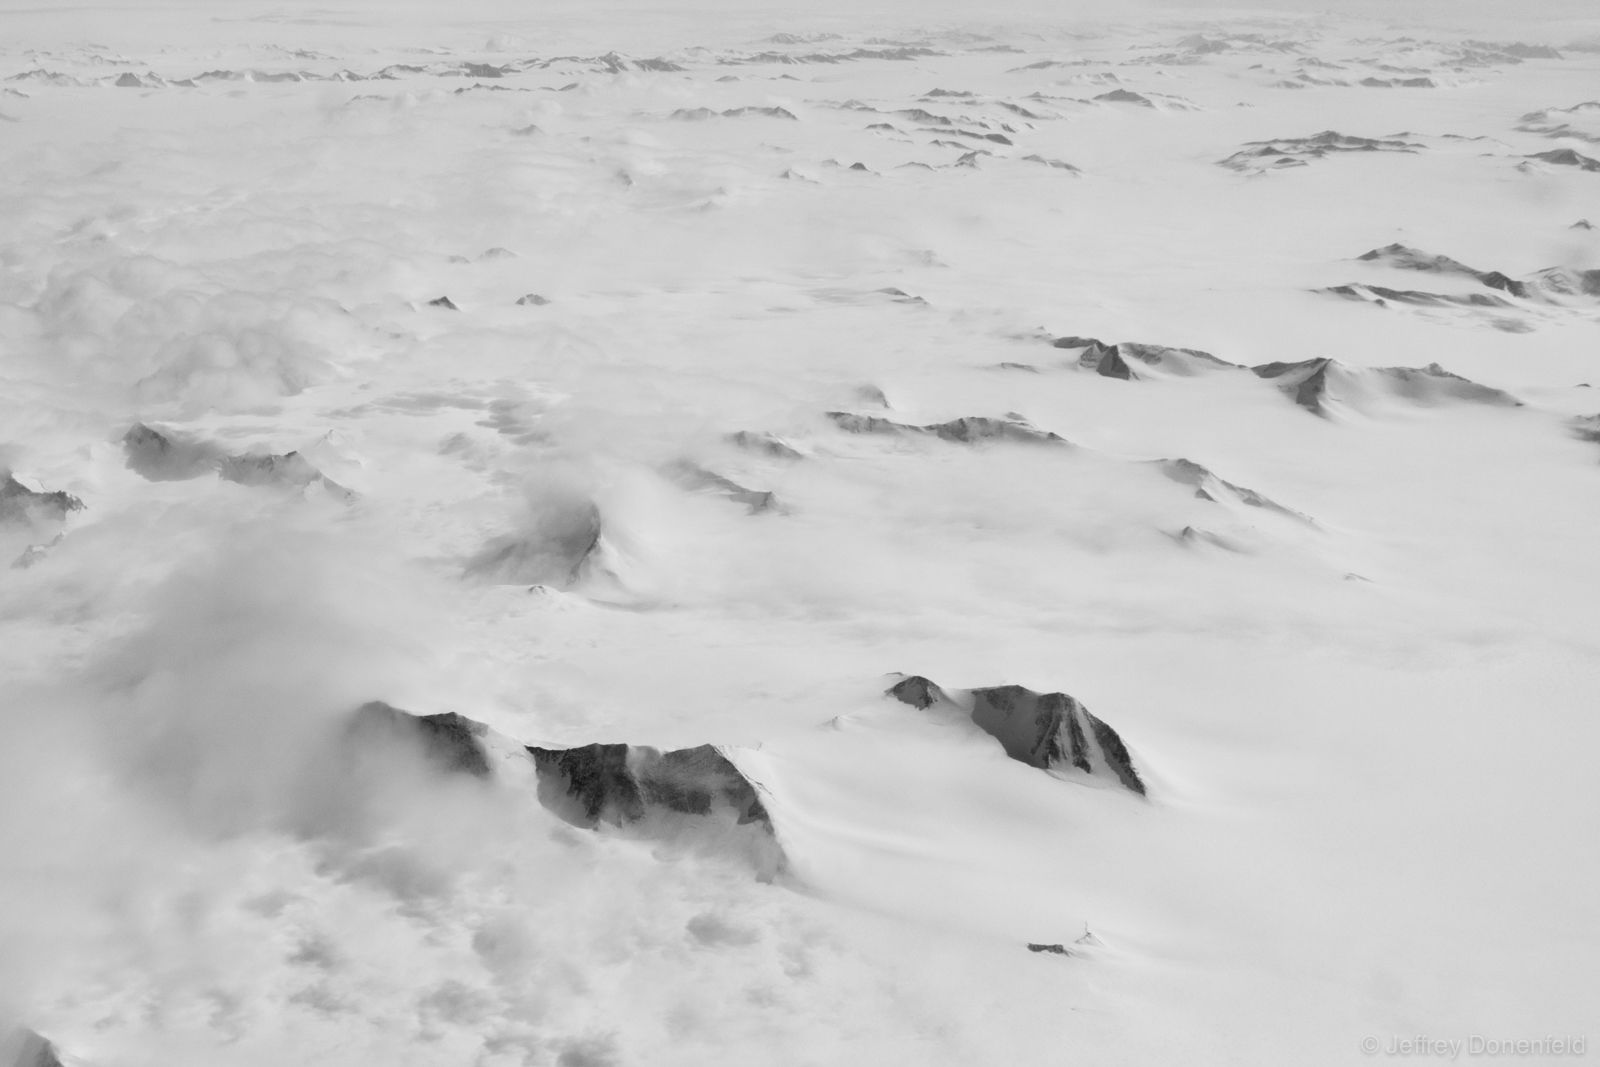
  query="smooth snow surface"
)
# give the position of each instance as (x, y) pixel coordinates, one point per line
(684, 376)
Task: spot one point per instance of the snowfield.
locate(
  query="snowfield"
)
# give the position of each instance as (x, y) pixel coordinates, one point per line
(601, 536)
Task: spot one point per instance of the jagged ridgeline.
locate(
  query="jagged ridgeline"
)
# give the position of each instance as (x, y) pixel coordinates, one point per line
(174, 457)
(693, 796)
(969, 430)
(1315, 384)
(1051, 731)
(31, 520)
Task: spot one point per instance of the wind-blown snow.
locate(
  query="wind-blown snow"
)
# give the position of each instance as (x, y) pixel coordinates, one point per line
(680, 379)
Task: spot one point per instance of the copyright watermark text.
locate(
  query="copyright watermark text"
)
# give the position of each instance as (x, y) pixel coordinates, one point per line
(1481, 1045)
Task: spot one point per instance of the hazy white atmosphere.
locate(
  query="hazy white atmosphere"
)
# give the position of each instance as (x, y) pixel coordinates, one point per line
(596, 535)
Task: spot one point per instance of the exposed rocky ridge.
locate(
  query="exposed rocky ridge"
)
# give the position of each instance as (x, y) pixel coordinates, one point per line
(552, 551)
(619, 784)
(1124, 96)
(450, 741)
(692, 476)
(1112, 361)
(616, 785)
(26, 1048)
(1566, 282)
(695, 114)
(1379, 294)
(1567, 157)
(168, 457)
(1207, 486)
(19, 504)
(1316, 383)
(1312, 383)
(1404, 258)
(1398, 83)
(1296, 151)
(904, 53)
(1045, 730)
(609, 63)
(31, 520)
(765, 443)
(1516, 50)
(1057, 164)
(968, 430)
(1193, 535)
(1586, 428)
(1545, 121)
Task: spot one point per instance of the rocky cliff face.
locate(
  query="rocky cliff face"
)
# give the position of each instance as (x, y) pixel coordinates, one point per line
(1044, 730)
(693, 794)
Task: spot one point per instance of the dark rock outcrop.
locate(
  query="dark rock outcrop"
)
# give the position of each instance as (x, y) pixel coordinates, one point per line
(1398, 83)
(1207, 486)
(1058, 950)
(1586, 428)
(1567, 157)
(1315, 383)
(1518, 50)
(694, 477)
(443, 302)
(1433, 383)
(551, 552)
(1305, 382)
(697, 114)
(449, 741)
(1045, 730)
(25, 1048)
(1404, 258)
(19, 504)
(1575, 122)
(764, 443)
(1297, 151)
(1108, 363)
(170, 457)
(1183, 361)
(1192, 535)
(1112, 361)
(767, 112)
(31, 521)
(534, 299)
(624, 786)
(1565, 282)
(620, 784)
(1057, 164)
(961, 431)
(917, 691)
(290, 468)
(1379, 294)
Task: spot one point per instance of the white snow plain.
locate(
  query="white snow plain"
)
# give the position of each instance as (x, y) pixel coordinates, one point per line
(1368, 728)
